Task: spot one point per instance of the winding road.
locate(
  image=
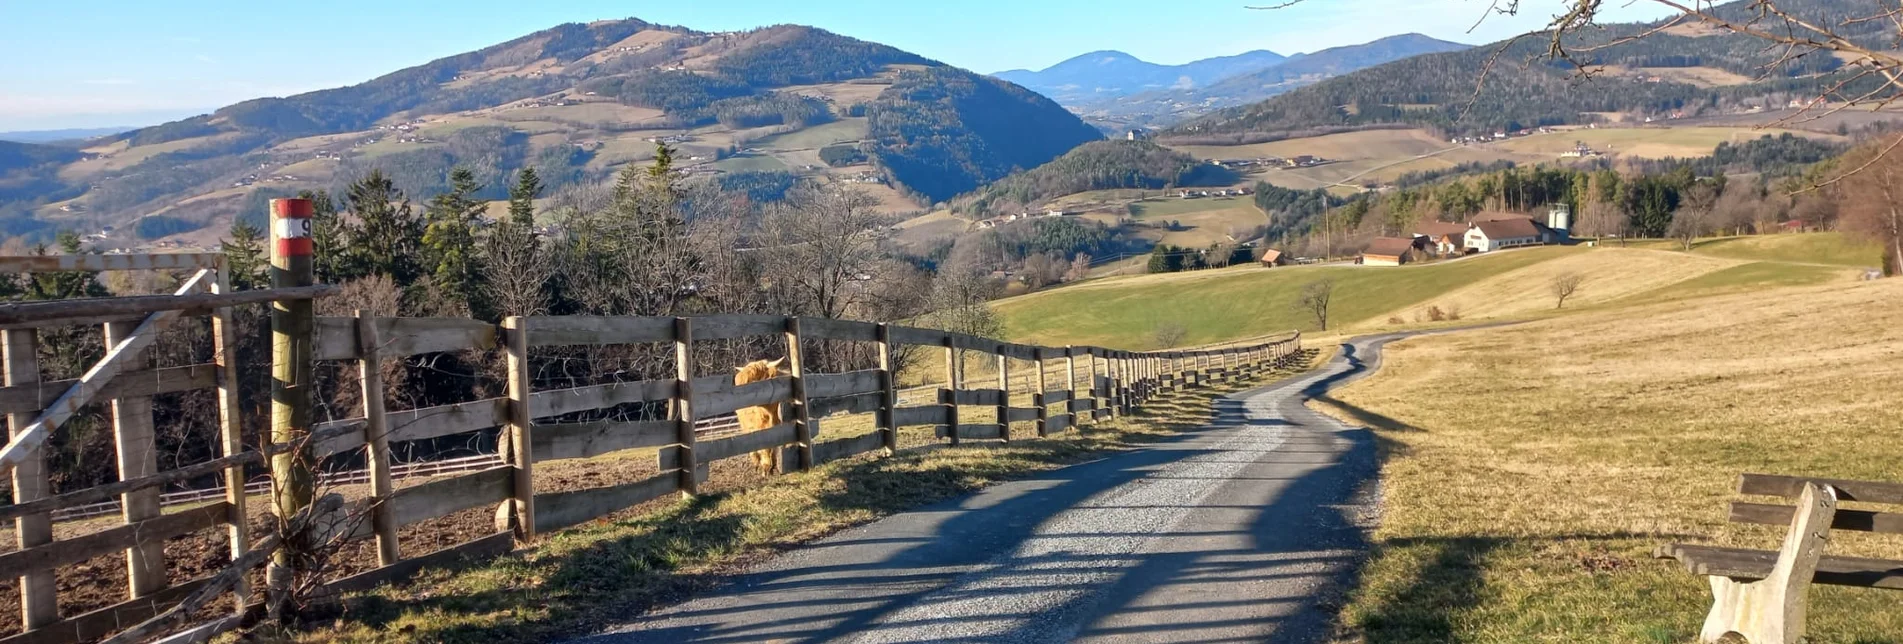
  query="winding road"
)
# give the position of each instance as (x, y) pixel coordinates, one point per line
(1246, 530)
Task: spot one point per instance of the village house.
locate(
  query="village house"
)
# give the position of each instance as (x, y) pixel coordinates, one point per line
(1442, 238)
(1507, 232)
(1387, 251)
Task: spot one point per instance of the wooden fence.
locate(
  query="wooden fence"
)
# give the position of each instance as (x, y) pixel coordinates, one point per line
(1054, 389)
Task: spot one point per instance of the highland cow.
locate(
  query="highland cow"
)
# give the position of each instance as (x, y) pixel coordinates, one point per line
(761, 416)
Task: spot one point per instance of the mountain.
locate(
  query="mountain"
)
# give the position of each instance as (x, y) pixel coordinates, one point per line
(576, 102)
(1165, 107)
(1675, 73)
(70, 134)
(1108, 74)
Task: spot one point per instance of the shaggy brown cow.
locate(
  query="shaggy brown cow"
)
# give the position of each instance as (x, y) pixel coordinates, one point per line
(762, 416)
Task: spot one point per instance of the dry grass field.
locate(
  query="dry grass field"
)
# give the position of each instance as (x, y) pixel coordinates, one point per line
(1367, 144)
(1698, 76)
(1529, 470)
(1645, 142)
(1204, 222)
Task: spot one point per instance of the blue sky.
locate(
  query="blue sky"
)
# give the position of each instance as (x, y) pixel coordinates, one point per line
(90, 63)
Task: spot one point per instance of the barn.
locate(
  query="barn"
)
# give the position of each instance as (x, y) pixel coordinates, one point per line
(1388, 251)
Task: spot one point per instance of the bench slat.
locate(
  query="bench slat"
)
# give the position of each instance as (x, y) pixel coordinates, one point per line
(1745, 564)
(1855, 520)
(1790, 486)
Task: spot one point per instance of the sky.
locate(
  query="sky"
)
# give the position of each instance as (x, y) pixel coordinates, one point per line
(94, 63)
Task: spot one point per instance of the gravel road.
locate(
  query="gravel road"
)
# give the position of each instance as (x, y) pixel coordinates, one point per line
(1246, 530)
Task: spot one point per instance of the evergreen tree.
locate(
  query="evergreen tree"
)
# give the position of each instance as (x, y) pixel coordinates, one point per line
(522, 196)
(449, 240)
(387, 242)
(330, 258)
(244, 256)
(64, 284)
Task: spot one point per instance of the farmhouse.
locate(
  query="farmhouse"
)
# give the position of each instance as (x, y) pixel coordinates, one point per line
(1496, 234)
(1442, 238)
(1387, 251)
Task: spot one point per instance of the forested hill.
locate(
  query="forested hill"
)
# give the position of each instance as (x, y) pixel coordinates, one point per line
(575, 102)
(1524, 90)
(1101, 165)
(943, 131)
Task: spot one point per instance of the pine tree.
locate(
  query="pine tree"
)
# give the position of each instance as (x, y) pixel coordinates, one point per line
(244, 256)
(388, 240)
(449, 240)
(522, 196)
(330, 258)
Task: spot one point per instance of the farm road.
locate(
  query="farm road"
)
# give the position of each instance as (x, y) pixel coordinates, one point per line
(1245, 530)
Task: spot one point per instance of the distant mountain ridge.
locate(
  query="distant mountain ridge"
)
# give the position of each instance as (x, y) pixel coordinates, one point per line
(575, 102)
(1166, 107)
(67, 134)
(1108, 74)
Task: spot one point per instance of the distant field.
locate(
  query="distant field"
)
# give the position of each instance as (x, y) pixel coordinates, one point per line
(1645, 142)
(1207, 221)
(1699, 76)
(750, 162)
(851, 129)
(919, 232)
(121, 157)
(1368, 144)
(1817, 248)
(594, 114)
(1216, 305)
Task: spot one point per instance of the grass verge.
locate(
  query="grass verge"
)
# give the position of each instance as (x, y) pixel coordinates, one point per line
(580, 579)
(1529, 470)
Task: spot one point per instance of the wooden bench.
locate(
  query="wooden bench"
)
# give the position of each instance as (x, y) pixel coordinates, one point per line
(1762, 594)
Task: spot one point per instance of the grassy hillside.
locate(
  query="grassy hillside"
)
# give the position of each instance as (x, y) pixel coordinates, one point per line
(1523, 492)
(1216, 305)
(1226, 304)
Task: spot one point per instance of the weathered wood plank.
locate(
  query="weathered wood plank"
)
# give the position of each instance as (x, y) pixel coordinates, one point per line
(1020, 414)
(982, 397)
(1057, 422)
(1744, 564)
(447, 496)
(55, 312)
(109, 490)
(927, 415)
(78, 549)
(828, 385)
(129, 384)
(922, 337)
(1791, 486)
(1054, 396)
(98, 624)
(724, 400)
(556, 402)
(978, 431)
(855, 404)
(586, 440)
(565, 330)
(336, 337)
(846, 447)
(1854, 520)
(728, 327)
(478, 549)
(1083, 404)
(846, 330)
(98, 263)
(557, 510)
(418, 424)
(669, 458)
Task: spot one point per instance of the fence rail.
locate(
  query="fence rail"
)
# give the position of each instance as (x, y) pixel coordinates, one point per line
(687, 421)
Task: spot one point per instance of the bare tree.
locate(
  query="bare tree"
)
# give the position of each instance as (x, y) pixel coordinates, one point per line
(1079, 268)
(1314, 301)
(1170, 334)
(1564, 285)
(1873, 203)
(1601, 219)
(1693, 219)
(1043, 269)
(821, 246)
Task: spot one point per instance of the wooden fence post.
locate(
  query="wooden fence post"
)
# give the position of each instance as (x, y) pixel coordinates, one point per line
(684, 405)
(1004, 396)
(136, 447)
(39, 594)
(949, 395)
(291, 329)
(231, 432)
(1070, 383)
(1037, 397)
(1109, 393)
(802, 415)
(521, 423)
(376, 430)
(889, 397)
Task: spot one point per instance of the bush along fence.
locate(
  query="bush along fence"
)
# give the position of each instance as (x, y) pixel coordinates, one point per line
(571, 387)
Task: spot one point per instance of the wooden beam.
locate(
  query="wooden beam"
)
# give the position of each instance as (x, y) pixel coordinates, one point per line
(834, 450)
(135, 446)
(230, 434)
(564, 509)
(521, 436)
(1790, 487)
(568, 330)
(888, 392)
(128, 384)
(376, 433)
(398, 337)
(94, 262)
(119, 358)
(687, 482)
(587, 440)
(54, 312)
(39, 595)
(478, 549)
(71, 551)
(802, 414)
